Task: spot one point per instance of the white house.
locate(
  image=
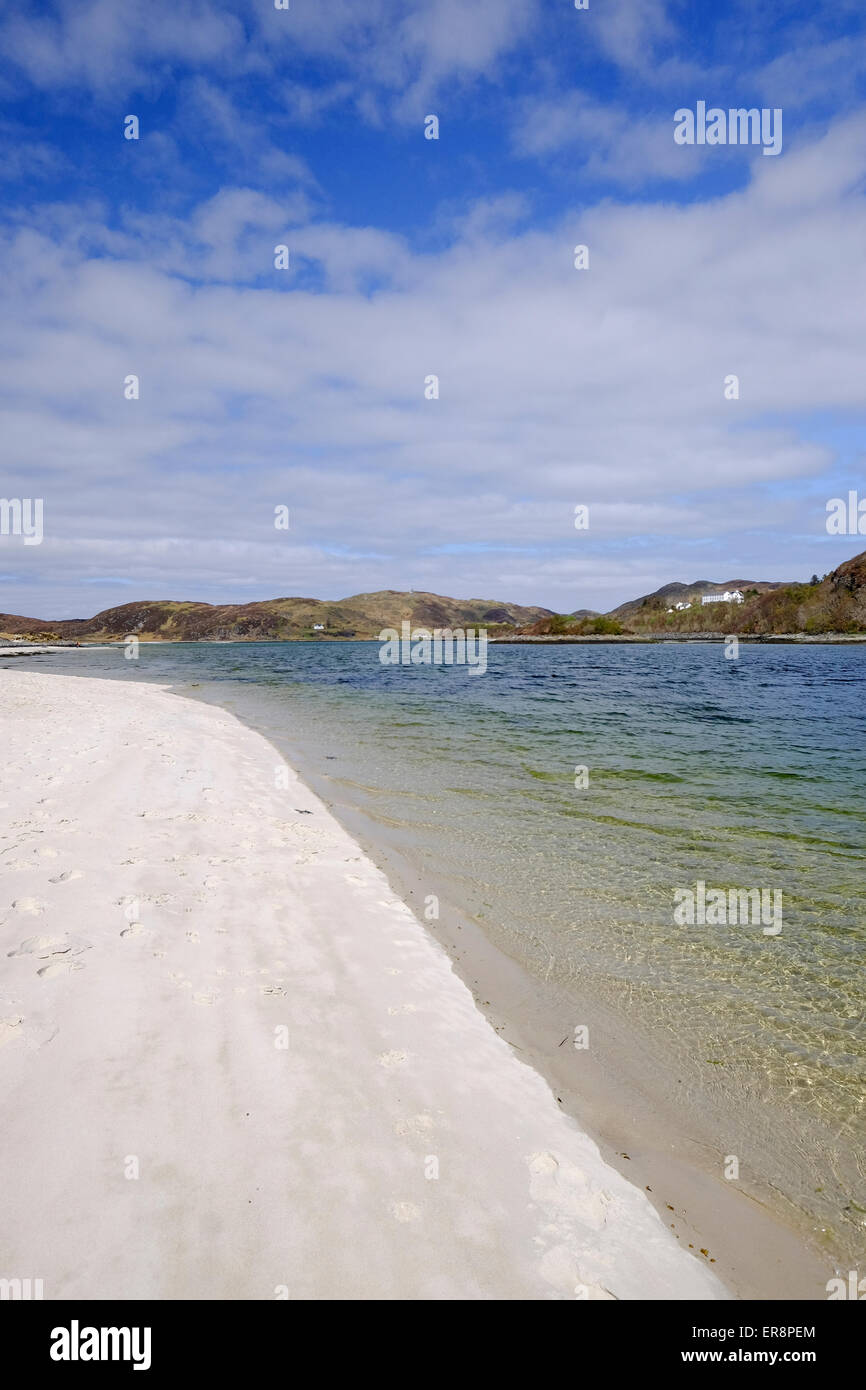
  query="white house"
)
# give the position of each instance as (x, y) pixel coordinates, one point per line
(681, 606)
(729, 596)
(318, 627)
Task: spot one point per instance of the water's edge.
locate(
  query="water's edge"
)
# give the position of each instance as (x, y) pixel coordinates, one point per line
(554, 907)
(759, 1245)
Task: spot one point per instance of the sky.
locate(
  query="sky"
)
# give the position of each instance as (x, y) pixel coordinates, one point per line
(308, 387)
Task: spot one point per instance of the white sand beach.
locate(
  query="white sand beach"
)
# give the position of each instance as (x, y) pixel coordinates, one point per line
(234, 1066)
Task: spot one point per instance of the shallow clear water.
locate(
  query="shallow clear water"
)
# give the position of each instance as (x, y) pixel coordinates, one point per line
(747, 774)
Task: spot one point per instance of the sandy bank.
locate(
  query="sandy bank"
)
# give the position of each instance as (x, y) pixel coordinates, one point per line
(233, 1063)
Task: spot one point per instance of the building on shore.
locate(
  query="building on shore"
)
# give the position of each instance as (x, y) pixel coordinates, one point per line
(729, 596)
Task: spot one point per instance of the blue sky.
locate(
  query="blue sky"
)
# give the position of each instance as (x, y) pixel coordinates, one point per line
(410, 257)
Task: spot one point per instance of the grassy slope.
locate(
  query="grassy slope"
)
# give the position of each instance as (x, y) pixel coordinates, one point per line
(363, 615)
(836, 604)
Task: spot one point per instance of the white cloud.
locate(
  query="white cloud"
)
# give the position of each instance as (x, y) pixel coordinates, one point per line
(606, 140)
(630, 33)
(23, 158)
(107, 47)
(557, 387)
(239, 141)
(401, 46)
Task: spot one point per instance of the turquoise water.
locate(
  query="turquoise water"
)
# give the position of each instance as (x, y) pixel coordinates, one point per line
(747, 774)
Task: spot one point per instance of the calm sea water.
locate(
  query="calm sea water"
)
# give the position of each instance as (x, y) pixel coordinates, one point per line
(748, 773)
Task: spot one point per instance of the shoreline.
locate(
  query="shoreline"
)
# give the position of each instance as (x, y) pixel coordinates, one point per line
(657, 638)
(155, 867)
(754, 1249)
(626, 638)
(761, 1249)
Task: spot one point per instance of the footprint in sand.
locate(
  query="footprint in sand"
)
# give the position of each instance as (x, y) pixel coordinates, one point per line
(564, 1188)
(59, 967)
(205, 998)
(404, 1009)
(193, 937)
(405, 1211)
(47, 946)
(416, 1125)
(134, 929)
(67, 877)
(28, 907)
(10, 1028)
(389, 1060)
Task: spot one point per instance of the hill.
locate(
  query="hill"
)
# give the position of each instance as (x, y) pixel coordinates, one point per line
(834, 604)
(281, 619)
(670, 594)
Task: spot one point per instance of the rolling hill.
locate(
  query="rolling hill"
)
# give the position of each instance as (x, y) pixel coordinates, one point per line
(834, 604)
(281, 619)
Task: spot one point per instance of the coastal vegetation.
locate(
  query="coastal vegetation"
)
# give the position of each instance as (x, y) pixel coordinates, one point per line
(835, 603)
